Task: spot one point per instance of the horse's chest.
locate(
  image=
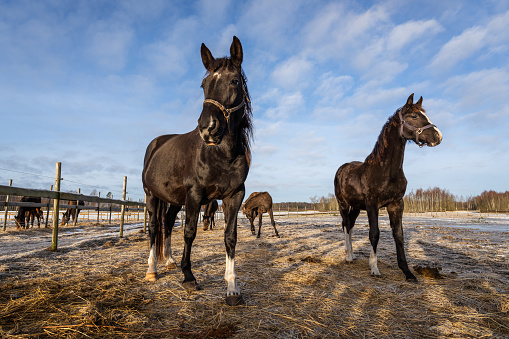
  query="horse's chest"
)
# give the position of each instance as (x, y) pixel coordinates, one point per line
(220, 181)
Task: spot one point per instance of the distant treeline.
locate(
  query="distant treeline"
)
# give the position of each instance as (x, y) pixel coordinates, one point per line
(422, 200)
(438, 200)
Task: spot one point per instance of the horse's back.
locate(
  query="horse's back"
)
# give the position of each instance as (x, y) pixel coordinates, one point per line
(154, 145)
(262, 200)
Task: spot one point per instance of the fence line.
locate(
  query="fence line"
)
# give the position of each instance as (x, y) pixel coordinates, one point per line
(56, 196)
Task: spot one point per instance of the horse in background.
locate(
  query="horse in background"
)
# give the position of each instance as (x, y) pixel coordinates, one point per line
(211, 162)
(28, 214)
(209, 212)
(379, 181)
(72, 212)
(257, 204)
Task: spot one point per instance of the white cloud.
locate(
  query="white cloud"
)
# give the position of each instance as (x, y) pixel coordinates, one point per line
(293, 73)
(410, 32)
(269, 22)
(471, 41)
(287, 105)
(169, 56)
(483, 88)
(333, 88)
(109, 44)
(334, 31)
(460, 48)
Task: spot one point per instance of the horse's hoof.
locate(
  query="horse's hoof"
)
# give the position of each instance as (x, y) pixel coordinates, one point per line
(412, 279)
(191, 286)
(171, 266)
(151, 276)
(235, 300)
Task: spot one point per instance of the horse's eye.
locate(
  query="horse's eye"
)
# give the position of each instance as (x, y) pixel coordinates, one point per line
(414, 116)
(235, 82)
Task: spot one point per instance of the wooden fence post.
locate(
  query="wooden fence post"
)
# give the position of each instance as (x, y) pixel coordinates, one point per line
(123, 209)
(76, 211)
(98, 205)
(6, 207)
(56, 205)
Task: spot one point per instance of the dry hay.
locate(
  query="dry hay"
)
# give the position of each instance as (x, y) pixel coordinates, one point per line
(297, 286)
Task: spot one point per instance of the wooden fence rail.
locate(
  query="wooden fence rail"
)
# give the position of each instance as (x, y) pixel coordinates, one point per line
(56, 196)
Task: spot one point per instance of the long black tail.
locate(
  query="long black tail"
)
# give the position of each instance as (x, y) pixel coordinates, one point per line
(160, 232)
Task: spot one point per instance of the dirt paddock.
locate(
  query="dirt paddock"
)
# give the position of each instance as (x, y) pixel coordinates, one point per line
(296, 286)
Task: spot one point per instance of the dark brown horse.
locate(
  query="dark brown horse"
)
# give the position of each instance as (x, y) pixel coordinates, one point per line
(72, 212)
(379, 181)
(28, 214)
(257, 204)
(211, 162)
(209, 212)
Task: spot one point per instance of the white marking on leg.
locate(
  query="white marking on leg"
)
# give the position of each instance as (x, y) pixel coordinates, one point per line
(373, 263)
(348, 246)
(230, 277)
(152, 260)
(170, 262)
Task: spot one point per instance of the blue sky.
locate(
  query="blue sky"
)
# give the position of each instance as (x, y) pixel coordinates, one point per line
(90, 83)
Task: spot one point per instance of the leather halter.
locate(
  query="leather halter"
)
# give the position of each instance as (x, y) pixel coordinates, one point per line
(228, 111)
(418, 130)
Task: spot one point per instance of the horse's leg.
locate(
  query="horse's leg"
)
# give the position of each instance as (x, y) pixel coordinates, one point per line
(231, 206)
(169, 221)
(212, 222)
(205, 224)
(374, 235)
(259, 223)
(395, 211)
(152, 204)
(347, 228)
(273, 222)
(251, 220)
(192, 214)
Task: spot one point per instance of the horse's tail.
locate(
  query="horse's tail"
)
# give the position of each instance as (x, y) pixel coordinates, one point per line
(160, 232)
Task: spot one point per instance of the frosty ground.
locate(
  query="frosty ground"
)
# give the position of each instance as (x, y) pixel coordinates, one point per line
(296, 286)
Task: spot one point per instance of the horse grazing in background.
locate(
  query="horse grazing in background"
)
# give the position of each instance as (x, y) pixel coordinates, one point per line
(28, 214)
(211, 162)
(379, 181)
(209, 211)
(72, 212)
(257, 204)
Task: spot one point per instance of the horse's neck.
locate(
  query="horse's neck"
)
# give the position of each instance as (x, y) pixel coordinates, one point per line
(392, 152)
(230, 147)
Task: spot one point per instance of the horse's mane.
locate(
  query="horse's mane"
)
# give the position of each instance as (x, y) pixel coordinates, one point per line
(382, 143)
(246, 125)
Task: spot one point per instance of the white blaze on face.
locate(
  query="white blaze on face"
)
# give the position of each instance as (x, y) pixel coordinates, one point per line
(435, 128)
(427, 119)
(230, 277)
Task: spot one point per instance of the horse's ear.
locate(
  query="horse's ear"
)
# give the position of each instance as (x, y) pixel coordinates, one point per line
(410, 100)
(206, 57)
(236, 52)
(419, 102)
